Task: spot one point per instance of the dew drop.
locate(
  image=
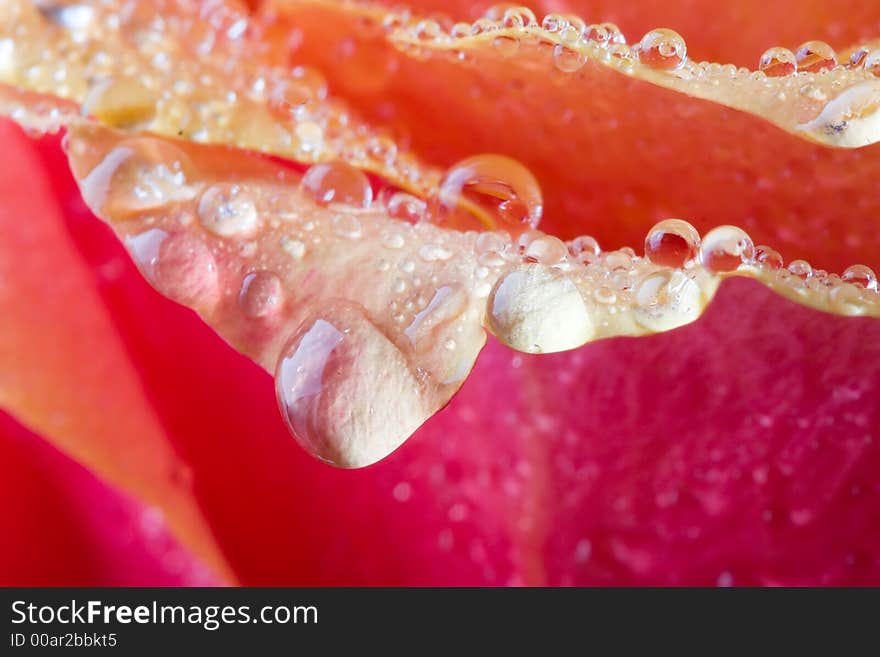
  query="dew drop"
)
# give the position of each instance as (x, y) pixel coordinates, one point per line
(296, 249)
(495, 189)
(337, 182)
(347, 226)
(140, 174)
(597, 34)
(777, 62)
(403, 206)
(554, 23)
(537, 310)
(666, 300)
(261, 294)
(662, 49)
(346, 392)
(725, 248)
(225, 209)
(568, 59)
(815, 56)
(672, 243)
(800, 268)
(434, 252)
(585, 248)
(768, 258)
(516, 17)
(184, 269)
(393, 240)
(506, 46)
(545, 249)
(860, 275)
(871, 62)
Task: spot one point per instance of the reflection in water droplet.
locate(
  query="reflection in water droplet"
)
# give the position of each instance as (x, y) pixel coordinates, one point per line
(815, 56)
(862, 276)
(663, 49)
(261, 294)
(777, 62)
(337, 182)
(672, 243)
(346, 392)
(725, 248)
(496, 188)
(227, 210)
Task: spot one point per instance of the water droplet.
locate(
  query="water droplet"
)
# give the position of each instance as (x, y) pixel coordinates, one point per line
(403, 206)
(70, 16)
(672, 243)
(546, 249)
(140, 174)
(447, 304)
(725, 248)
(261, 294)
(494, 188)
(666, 300)
(800, 268)
(871, 62)
(347, 393)
(815, 56)
(554, 23)
(768, 258)
(777, 62)
(337, 182)
(519, 17)
(434, 252)
(585, 248)
(295, 248)
(227, 210)
(568, 59)
(597, 34)
(347, 226)
(538, 310)
(393, 240)
(506, 46)
(180, 266)
(662, 49)
(615, 35)
(862, 276)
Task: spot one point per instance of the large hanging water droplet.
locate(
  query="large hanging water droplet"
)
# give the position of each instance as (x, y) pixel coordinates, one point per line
(663, 49)
(346, 392)
(537, 310)
(815, 56)
(227, 210)
(672, 243)
(495, 189)
(777, 62)
(666, 300)
(726, 248)
(337, 182)
(139, 175)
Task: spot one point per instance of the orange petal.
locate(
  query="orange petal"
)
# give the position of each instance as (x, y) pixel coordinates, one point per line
(615, 153)
(59, 349)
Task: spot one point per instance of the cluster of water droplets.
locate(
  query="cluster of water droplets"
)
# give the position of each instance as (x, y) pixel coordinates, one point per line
(185, 71)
